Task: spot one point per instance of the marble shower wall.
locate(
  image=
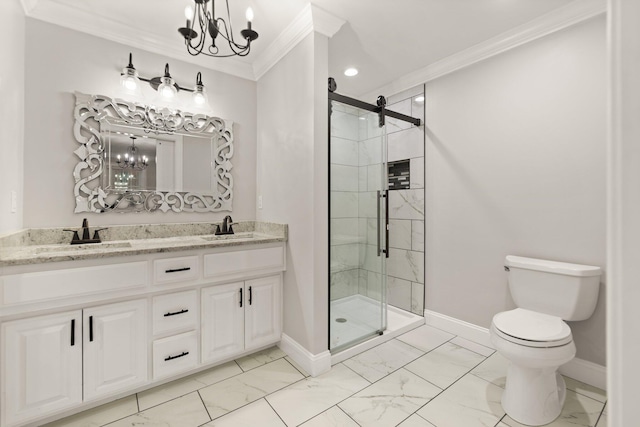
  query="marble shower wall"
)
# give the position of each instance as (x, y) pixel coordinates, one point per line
(405, 266)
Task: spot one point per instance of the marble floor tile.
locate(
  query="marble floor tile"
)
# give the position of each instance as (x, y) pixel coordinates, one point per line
(382, 360)
(444, 365)
(415, 421)
(493, 369)
(101, 415)
(218, 373)
(390, 400)
(470, 402)
(185, 411)
(306, 399)
(260, 358)
(602, 422)
(473, 346)
(332, 417)
(586, 389)
(578, 411)
(426, 338)
(252, 415)
(298, 367)
(174, 389)
(233, 393)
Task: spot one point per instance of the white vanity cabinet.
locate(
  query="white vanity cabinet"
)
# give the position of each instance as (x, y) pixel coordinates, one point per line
(41, 366)
(48, 359)
(240, 316)
(114, 348)
(77, 334)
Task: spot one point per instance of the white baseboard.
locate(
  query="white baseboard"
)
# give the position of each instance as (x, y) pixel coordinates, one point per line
(578, 369)
(314, 364)
(587, 372)
(458, 327)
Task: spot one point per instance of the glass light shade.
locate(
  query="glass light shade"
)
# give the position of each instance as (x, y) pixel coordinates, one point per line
(129, 80)
(200, 97)
(167, 89)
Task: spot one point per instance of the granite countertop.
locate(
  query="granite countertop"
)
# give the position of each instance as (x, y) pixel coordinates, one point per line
(36, 246)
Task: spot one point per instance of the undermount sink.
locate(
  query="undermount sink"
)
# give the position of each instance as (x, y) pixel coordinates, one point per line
(82, 247)
(213, 238)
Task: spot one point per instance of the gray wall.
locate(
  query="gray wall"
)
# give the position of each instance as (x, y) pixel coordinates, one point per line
(292, 180)
(59, 62)
(12, 25)
(515, 164)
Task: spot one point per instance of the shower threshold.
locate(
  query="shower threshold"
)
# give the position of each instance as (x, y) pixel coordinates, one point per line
(398, 322)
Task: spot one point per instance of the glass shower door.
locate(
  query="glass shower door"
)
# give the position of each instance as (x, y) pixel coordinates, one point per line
(358, 187)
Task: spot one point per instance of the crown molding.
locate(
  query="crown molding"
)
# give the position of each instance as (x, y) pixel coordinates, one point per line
(75, 19)
(324, 22)
(556, 20)
(312, 18)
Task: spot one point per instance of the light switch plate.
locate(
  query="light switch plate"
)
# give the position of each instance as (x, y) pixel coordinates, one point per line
(14, 202)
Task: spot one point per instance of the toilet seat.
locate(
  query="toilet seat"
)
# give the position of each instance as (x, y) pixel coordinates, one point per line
(531, 329)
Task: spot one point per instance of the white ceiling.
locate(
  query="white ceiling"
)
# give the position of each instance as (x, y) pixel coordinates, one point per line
(384, 39)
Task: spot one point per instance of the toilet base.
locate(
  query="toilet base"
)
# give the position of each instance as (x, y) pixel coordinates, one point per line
(533, 397)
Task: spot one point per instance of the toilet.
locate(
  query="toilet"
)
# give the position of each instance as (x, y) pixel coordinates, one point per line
(535, 338)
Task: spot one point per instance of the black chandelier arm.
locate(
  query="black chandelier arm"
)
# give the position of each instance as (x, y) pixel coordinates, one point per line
(207, 21)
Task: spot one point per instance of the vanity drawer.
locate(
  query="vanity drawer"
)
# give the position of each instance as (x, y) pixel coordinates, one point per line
(171, 270)
(28, 287)
(175, 354)
(229, 263)
(175, 312)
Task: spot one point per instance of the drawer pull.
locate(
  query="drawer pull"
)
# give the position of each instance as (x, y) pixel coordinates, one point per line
(250, 295)
(90, 328)
(176, 270)
(184, 353)
(240, 297)
(177, 312)
(73, 332)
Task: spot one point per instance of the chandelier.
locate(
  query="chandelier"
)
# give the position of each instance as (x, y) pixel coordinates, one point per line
(207, 22)
(132, 158)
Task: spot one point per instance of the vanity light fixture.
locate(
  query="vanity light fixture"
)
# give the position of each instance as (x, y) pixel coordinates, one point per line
(166, 86)
(208, 23)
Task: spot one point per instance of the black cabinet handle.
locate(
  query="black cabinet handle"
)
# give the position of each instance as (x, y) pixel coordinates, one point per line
(240, 297)
(175, 270)
(177, 312)
(90, 328)
(73, 332)
(250, 295)
(184, 353)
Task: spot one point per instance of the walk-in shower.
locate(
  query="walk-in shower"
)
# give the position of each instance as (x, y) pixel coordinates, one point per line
(359, 219)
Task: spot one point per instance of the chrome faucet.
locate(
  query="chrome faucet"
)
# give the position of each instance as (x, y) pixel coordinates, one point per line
(226, 226)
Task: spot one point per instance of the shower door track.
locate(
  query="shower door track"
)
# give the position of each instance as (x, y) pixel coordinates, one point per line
(378, 109)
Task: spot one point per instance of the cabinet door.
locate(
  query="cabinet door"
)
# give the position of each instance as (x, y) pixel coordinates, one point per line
(263, 312)
(115, 347)
(222, 327)
(42, 366)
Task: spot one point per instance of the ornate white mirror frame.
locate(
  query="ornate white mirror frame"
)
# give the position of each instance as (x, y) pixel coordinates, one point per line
(95, 112)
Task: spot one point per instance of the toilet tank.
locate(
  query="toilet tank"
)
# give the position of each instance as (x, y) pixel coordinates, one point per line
(568, 291)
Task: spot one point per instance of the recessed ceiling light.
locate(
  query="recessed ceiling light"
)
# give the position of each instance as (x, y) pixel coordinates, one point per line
(350, 72)
(419, 98)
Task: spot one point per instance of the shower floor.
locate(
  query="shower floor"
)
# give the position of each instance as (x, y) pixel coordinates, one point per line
(361, 313)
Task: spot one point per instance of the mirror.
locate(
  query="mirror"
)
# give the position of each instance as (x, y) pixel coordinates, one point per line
(138, 158)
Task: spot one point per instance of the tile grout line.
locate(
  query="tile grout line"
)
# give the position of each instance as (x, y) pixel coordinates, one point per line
(205, 406)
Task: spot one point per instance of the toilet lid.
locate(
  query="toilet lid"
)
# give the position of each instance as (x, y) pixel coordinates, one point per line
(532, 326)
